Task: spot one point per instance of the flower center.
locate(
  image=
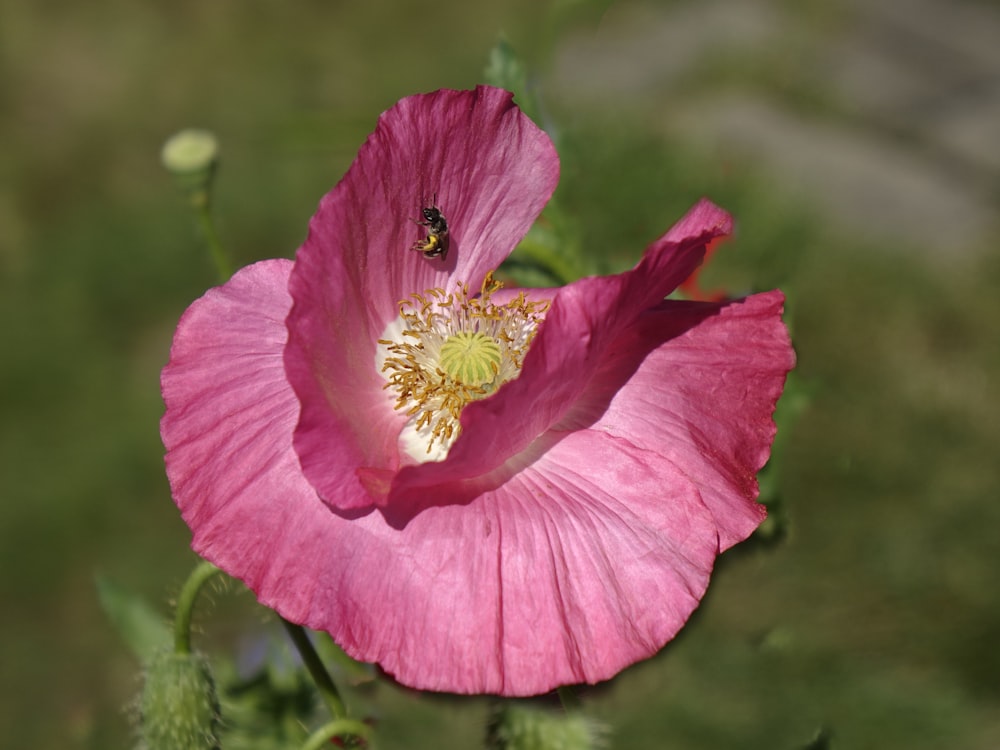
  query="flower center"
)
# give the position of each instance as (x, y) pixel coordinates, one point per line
(447, 350)
(471, 357)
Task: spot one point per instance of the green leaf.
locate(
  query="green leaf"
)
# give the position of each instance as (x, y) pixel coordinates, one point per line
(506, 71)
(822, 741)
(143, 629)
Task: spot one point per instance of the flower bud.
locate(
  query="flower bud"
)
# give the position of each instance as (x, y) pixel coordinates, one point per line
(191, 156)
(179, 707)
(517, 726)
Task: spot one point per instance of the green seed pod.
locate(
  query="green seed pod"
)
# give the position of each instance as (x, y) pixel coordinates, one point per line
(179, 709)
(191, 157)
(190, 151)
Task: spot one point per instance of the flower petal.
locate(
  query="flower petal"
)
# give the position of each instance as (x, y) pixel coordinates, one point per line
(491, 171)
(557, 574)
(599, 569)
(585, 319)
(229, 416)
(699, 381)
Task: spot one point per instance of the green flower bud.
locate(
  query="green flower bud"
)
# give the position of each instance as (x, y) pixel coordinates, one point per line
(190, 150)
(179, 708)
(522, 726)
(191, 156)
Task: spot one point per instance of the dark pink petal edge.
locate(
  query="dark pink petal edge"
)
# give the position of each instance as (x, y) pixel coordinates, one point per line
(699, 381)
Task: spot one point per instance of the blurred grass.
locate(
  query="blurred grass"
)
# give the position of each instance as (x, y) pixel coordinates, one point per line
(875, 618)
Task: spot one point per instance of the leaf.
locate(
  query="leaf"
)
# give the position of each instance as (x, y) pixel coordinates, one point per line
(143, 629)
(506, 71)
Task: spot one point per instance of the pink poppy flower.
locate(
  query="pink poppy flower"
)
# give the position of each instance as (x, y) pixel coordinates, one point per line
(483, 491)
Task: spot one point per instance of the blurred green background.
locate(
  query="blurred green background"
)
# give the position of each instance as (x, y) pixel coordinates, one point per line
(857, 147)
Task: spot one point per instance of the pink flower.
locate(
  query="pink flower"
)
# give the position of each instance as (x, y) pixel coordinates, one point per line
(524, 490)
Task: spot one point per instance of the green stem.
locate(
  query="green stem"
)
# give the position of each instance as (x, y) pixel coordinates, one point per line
(338, 728)
(569, 699)
(561, 268)
(200, 204)
(321, 677)
(185, 605)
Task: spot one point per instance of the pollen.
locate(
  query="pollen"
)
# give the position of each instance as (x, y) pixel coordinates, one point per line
(449, 349)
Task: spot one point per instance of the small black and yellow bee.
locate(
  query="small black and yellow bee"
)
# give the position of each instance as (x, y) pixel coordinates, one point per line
(436, 241)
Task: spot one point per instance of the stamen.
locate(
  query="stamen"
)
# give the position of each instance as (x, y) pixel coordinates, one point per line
(450, 350)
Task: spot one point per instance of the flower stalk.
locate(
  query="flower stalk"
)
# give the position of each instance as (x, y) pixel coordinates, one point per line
(223, 266)
(191, 156)
(324, 683)
(569, 698)
(185, 605)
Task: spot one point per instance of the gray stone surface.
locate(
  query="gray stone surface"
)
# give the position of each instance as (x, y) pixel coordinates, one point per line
(639, 49)
(906, 149)
(877, 188)
(970, 129)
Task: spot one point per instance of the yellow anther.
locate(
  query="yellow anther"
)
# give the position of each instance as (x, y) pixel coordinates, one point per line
(453, 349)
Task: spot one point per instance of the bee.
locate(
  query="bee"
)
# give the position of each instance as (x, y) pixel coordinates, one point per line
(436, 241)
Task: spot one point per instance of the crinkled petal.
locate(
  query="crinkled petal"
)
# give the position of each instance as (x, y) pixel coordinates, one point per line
(697, 383)
(228, 420)
(556, 574)
(599, 569)
(559, 575)
(490, 170)
(585, 319)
